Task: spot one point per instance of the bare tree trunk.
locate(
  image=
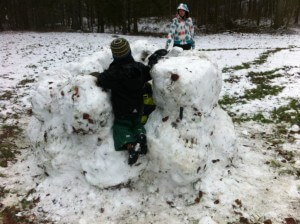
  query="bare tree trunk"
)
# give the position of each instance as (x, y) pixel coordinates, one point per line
(170, 8)
(79, 15)
(124, 6)
(135, 16)
(258, 12)
(63, 22)
(88, 15)
(199, 13)
(297, 11)
(216, 12)
(290, 11)
(1, 22)
(129, 15)
(279, 8)
(250, 9)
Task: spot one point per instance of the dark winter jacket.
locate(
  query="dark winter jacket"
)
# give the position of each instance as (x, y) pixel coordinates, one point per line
(125, 77)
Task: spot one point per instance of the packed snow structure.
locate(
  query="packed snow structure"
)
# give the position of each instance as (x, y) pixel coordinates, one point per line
(189, 135)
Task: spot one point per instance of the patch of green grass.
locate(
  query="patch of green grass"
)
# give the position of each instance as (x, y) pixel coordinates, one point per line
(240, 67)
(26, 81)
(9, 216)
(15, 116)
(261, 118)
(8, 148)
(275, 164)
(289, 113)
(264, 56)
(6, 151)
(258, 61)
(288, 155)
(297, 173)
(281, 129)
(7, 154)
(286, 172)
(20, 213)
(262, 81)
(277, 136)
(6, 95)
(31, 66)
(25, 204)
(256, 117)
(263, 77)
(9, 131)
(241, 118)
(2, 175)
(226, 69)
(233, 79)
(223, 49)
(3, 192)
(228, 100)
(262, 91)
(237, 67)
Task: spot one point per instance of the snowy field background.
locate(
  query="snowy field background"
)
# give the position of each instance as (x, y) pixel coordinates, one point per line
(261, 91)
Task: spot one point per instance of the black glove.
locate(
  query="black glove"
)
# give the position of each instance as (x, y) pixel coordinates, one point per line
(95, 74)
(161, 52)
(153, 59)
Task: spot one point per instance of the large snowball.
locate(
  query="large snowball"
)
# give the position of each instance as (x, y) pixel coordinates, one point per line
(187, 80)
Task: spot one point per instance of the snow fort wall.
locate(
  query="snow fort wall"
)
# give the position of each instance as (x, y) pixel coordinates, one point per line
(188, 133)
(71, 126)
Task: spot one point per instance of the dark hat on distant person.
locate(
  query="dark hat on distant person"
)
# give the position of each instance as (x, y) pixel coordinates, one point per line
(120, 48)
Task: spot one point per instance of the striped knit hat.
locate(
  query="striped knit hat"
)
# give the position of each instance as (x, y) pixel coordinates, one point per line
(120, 48)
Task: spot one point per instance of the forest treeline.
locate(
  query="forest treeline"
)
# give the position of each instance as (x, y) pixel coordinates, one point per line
(123, 15)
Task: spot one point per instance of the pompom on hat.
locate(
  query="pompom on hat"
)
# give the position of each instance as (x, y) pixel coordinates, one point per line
(120, 48)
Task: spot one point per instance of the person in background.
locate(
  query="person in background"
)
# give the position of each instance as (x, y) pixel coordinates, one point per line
(182, 29)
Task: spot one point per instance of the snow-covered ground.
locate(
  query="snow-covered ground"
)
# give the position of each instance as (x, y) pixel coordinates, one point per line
(263, 184)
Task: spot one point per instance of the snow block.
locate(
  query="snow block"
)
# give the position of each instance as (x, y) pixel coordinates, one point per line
(71, 127)
(188, 133)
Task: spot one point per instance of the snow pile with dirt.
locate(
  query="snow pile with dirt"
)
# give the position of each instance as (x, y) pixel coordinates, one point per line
(71, 127)
(190, 136)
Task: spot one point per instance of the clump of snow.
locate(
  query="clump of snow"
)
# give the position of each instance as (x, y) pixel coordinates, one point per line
(189, 135)
(141, 49)
(295, 128)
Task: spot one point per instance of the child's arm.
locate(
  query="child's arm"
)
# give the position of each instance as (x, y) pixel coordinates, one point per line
(95, 74)
(104, 79)
(146, 72)
(172, 31)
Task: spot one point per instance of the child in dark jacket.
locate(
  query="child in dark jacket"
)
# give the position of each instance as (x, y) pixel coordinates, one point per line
(126, 78)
